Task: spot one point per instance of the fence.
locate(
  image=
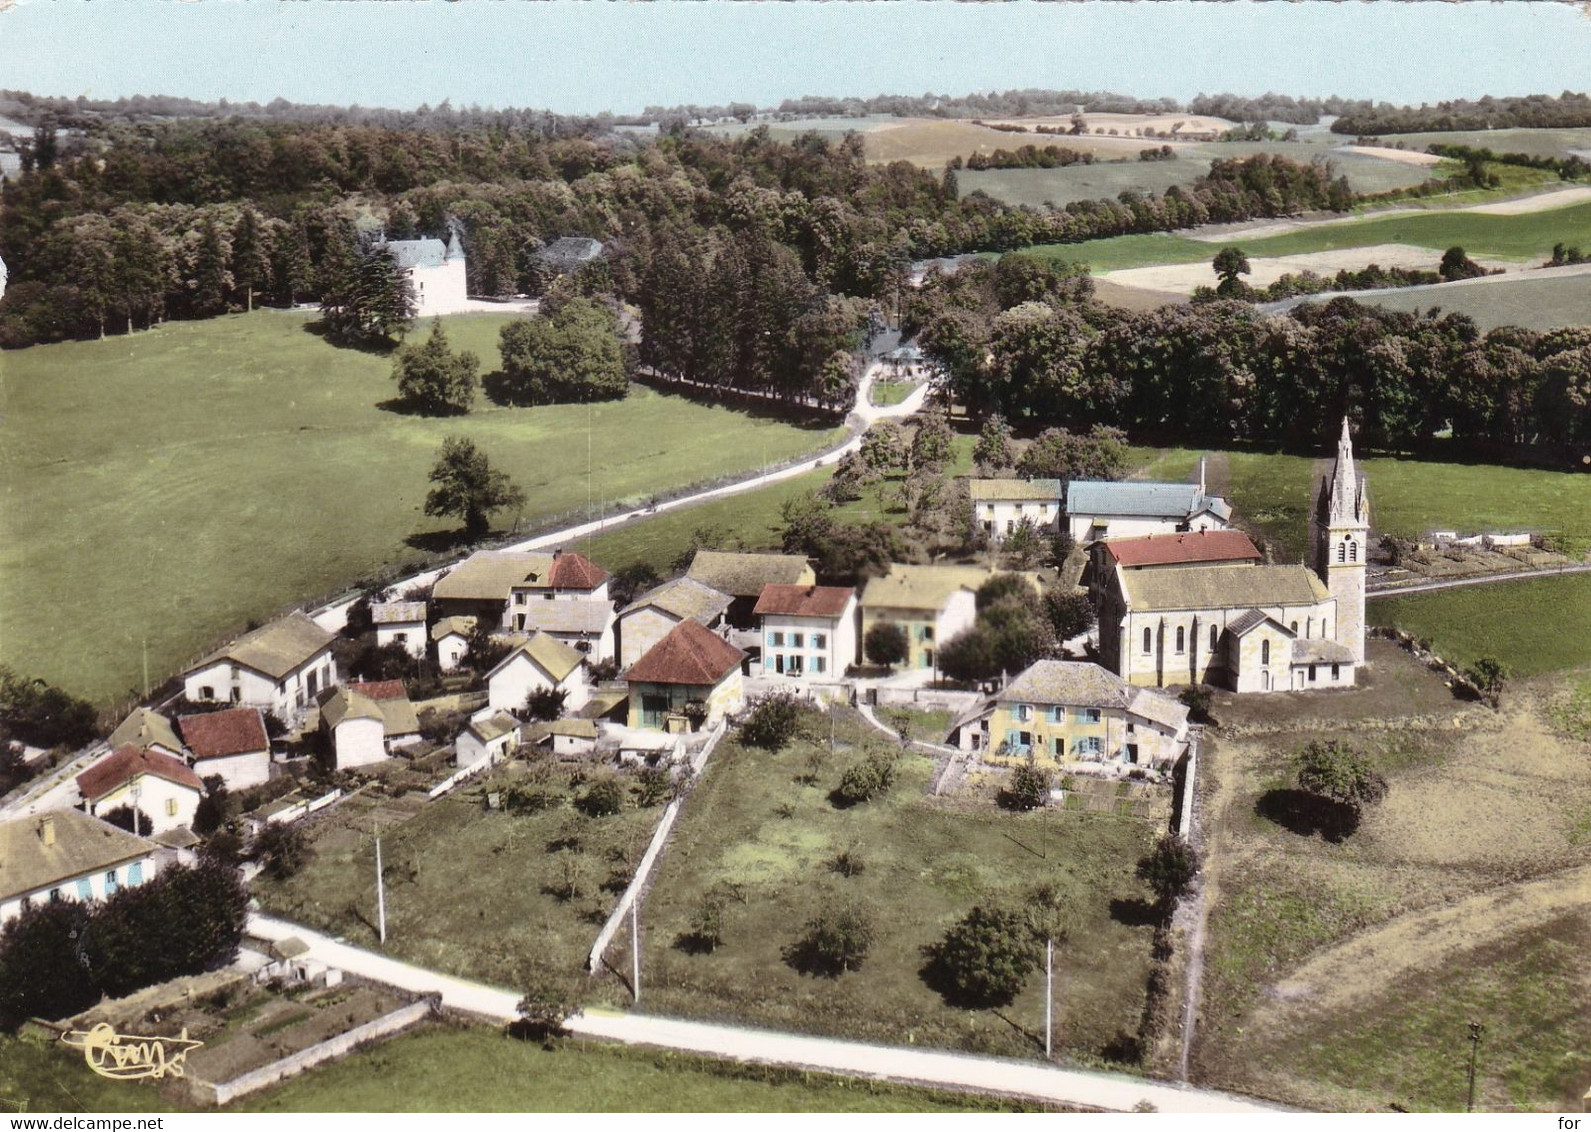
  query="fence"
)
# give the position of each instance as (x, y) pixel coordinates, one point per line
(459, 777)
(654, 850)
(304, 809)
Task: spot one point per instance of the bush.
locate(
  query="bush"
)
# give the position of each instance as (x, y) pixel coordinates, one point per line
(602, 798)
(542, 1014)
(871, 778)
(130, 818)
(282, 849)
(835, 942)
(41, 715)
(1072, 614)
(983, 960)
(1027, 789)
(706, 934)
(652, 784)
(546, 704)
(1197, 700)
(848, 862)
(773, 722)
(212, 811)
(40, 975)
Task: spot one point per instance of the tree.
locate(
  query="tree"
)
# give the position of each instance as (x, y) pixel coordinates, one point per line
(251, 261)
(1489, 675)
(603, 797)
(1071, 612)
(885, 643)
(1023, 545)
(434, 379)
(834, 942)
(1101, 454)
(883, 448)
(467, 486)
(282, 849)
(808, 524)
(366, 298)
(130, 818)
(1229, 264)
(1457, 265)
(774, 722)
(983, 960)
(994, 452)
(41, 715)
(546, 704)
(864, 781)
(542, 1014)
(1027, 789)
(1341, 778)
(931, 443)
(211, 279)
(1168, 869)
(571, 355)
(707, 926)
(40, 975)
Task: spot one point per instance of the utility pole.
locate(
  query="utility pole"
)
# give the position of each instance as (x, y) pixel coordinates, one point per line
(146, 668)
(1476, 1032)
(381, 896)
(1049, 996)
(635, 948)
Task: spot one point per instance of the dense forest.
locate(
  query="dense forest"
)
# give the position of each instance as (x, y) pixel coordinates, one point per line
(1536, 111)
(1026, 341)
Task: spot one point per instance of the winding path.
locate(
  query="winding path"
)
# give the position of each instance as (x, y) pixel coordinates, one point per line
(1117, 1092)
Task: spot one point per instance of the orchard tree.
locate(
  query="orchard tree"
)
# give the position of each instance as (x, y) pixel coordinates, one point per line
(433, 378)
(834, 942)
(931, 444)
(1342, 780)
(886, 644)
(984, 959)
(994, 452)
(468, 487)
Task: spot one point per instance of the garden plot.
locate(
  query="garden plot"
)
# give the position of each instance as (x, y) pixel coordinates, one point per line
(1182, 278)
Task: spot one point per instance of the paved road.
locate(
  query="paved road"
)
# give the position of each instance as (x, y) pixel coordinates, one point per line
(1023, 1079)
(1482, 580)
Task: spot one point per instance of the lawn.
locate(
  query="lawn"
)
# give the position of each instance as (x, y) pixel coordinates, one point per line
(1534, 626)
(474, 892)
(1340, 975)
(892, 392)
(1541, 143)
(1526, 237)
(441, 1068)
(1540, 303)
(762, 830)
(182, 481)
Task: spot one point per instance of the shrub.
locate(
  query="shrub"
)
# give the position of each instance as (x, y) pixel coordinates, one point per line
(774, 721)
(602, 798)
(1197, 700)
(40, 972)
(1169, 868)
(542, 1014)
(706, 932)
(848, 862)
(546, 704)
(983, 960)
(282, 849)
(130, 818)
(871, 778)
(1027, 789)
(834, 942)
(211, 812)
(652, 784)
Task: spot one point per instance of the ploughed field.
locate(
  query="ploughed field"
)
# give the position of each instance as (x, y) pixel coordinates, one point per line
(164, 488)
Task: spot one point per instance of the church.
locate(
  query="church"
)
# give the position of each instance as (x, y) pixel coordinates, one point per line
(1245, 626)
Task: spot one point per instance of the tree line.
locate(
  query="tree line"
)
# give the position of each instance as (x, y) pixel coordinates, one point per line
(1025, 157)
(1537, 111)
(1021, 339)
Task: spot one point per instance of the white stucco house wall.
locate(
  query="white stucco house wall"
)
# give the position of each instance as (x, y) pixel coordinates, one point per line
(490, 736)
(451, 639)
(400, 623)
(355, 727)
(808, 632)
(281, 668)
(1000, 505)
(164, 789)
(540, 663)
(232, 744)
(435, 273)
(67, 855)
(1099, 509)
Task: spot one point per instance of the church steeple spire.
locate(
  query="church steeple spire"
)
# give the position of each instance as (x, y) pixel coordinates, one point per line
(1346, 492)
(1341, 530)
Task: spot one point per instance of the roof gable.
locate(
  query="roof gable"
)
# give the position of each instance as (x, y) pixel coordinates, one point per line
(490, 575)
(572, 571)
(547, 653)
(127, 763)
(397, 612)
(1072, 683)
(236, 731)
(926, 588)
(417, 253)
(682, 598)
(690, 655)
(345, 704)
(145, 727)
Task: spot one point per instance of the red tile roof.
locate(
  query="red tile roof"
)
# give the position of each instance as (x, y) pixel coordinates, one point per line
(236, 731)
(689, 654)
(572, 571)
(804, 601)
(127, 762)
(1195, 546)
(382, 690)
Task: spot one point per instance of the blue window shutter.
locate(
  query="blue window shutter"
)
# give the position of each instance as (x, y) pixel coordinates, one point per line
(135, 873)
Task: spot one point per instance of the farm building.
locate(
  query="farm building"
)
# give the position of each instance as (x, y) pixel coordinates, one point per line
(399, 724)
(742, 577)
(648, 619)
(1098, 509)
(808, 631)
(539, 664)
(145, 727)
(585, 626)
(355, 728)
(491, 584)
(570, 737)
(281, 668)
(161, 787)
(490, 736)
(232, 743)
(400, 623)
(66, 855)
(451, 637)
(435, 273)
(1000, 505)
(690, 672)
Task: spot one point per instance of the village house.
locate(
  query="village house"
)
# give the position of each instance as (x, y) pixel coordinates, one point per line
(400, 623)
(1257, 628)
(280, 668)
(435, 273)
(355, 728)
(400, 726)
(569, 738)
(585, 626)
(930, 603)
(1000, 505)
(232, 744)
(690, 672)
(67, 855)
(538, 665)
(742, 577)
(648, 619)
(1066, 711)
(451, 638)
(808, 631)
(145, 727)
(161, 787)
(494, 585)
(1099, 509)
(490, 736)
(1157, 552)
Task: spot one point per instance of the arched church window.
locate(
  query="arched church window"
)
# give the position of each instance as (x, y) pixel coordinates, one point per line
(1182, 639)
(1149, 645)
(1214, 636)
(1353, 552)
(1342, 552)
(1265, 652)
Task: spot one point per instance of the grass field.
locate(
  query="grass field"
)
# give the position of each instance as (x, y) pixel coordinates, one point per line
(758, 828)
(1539, 303)
(441, 1068)
(182, 481)
(1526, 237)
(1533, 626)
(892, 392)
(1542, 143)
(474, 892)
(1341, 975)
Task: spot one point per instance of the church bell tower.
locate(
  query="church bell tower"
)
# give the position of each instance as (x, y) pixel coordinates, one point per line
(1341, 530)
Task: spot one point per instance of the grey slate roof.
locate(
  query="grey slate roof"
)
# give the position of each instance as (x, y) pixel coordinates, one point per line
(417, 253)
(81, 845)
(397, 612)
(1142, 500)
(1221, 587)
(489, 575)
(1158, 708)
(569, 252)
(275, 649)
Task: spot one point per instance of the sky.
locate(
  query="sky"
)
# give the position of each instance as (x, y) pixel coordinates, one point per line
(586, 56)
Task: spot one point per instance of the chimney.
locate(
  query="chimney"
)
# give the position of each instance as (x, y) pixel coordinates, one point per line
(1201, 475)
(47, 829)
